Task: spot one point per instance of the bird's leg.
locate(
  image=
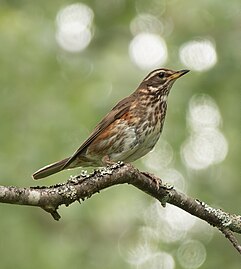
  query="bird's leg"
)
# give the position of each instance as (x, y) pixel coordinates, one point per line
(107, 161)
(157, 181)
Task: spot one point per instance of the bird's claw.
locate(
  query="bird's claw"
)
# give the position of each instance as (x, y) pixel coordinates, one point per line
(157, 181)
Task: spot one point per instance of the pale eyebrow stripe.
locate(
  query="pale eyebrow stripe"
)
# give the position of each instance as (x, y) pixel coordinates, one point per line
(152, 74)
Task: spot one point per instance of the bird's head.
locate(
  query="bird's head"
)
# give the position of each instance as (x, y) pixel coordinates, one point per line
(160, 81)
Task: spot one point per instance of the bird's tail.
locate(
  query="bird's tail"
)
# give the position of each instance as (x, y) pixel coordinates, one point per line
(50, 169)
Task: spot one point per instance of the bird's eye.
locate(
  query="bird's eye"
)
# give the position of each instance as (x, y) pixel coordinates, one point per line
(161, 75)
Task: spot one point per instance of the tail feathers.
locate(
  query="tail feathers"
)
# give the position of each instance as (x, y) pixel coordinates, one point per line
(50, 169)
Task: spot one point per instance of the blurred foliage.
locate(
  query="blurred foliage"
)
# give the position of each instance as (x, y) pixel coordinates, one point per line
(51, 99)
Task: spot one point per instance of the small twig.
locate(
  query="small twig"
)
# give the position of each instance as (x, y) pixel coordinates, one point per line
(230, 236)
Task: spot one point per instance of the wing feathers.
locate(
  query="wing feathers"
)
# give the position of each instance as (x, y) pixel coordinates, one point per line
(121, 108)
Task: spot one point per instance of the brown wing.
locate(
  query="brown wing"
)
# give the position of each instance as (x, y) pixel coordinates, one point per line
(121, 108)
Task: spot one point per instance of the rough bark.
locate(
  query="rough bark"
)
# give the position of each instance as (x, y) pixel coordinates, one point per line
(85, 185)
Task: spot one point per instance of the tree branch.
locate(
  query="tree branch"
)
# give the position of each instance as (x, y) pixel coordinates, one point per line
(84, 186)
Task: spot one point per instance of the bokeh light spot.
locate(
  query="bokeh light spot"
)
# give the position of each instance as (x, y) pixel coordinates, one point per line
(198, 55)
(175, 178)
(206, 145)
(74, 24)
(148, 50)
(203, 113)
(178, 219)
(155, 7)
(159, 260)
(205, 149)
(160, 157)
(146, 23)
(171, 224)
(143, 254)
(191, 254)
(139, 254)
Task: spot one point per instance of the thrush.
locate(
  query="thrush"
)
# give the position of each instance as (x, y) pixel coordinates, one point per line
(129, 131)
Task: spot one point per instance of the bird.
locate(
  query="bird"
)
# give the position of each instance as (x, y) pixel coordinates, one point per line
(129, 131)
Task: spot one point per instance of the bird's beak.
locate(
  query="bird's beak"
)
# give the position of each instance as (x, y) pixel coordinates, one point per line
(178, 74)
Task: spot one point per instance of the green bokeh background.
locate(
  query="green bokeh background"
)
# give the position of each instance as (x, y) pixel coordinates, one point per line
(51, 99)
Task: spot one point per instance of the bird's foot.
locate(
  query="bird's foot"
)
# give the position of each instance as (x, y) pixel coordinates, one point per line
(157, 181)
